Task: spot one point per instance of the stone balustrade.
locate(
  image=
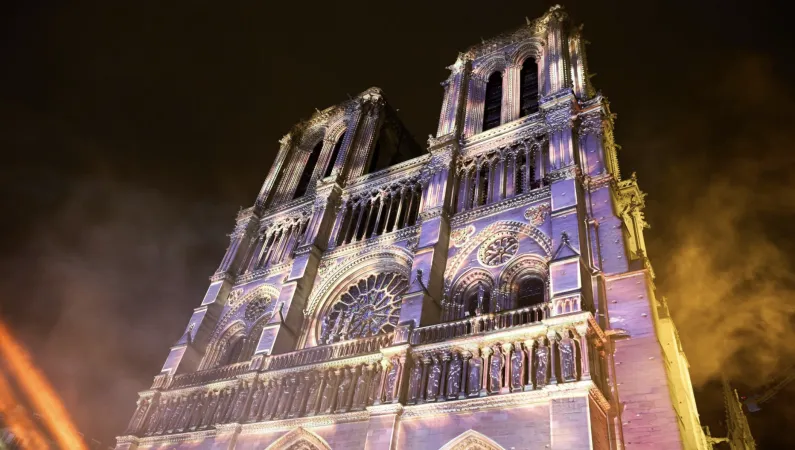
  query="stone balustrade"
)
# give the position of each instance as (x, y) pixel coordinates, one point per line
(323, 353)
(221, 373)
(480, 324)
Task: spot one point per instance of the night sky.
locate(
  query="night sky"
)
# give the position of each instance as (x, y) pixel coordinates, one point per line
(132, 132)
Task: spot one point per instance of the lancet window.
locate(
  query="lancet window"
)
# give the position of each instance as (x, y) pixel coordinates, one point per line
(492, 112)
(277, 244)
(375, 213)
(370, 306)
(309, 169)
(333, 158)
(497, 175)
(528, 88)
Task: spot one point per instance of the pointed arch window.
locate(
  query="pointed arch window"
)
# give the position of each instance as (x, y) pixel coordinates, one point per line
(333, 158)
(493, 103)
(528, 80)
(530, 291)
(309, 168)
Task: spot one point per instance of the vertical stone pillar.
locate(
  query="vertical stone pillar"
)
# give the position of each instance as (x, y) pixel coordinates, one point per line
(455, 94)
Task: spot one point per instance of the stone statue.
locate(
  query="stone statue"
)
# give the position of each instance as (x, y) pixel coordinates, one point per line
(473, 381)
(138, 416)
(328, 394)
(415, 381)
(256, 402)
(343, 389)
(212, 405)
(541, 363)
(240, 405)
(434, 378)
(454, 377)
(391, 379)
(568, 369)
(360, 392)
(495, 370)
(517, 369)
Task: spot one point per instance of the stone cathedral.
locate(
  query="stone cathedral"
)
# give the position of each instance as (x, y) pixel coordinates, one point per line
(488, 290)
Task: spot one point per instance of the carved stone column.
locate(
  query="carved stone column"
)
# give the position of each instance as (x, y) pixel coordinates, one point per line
(465, 356)
(506, 381)
(552, 336)
(485, 371)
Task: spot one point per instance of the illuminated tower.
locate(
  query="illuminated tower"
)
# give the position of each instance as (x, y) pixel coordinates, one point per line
(488, 291)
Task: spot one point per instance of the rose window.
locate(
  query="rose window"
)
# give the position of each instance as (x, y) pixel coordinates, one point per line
(369, 307)
(256, 308)
(499, 251)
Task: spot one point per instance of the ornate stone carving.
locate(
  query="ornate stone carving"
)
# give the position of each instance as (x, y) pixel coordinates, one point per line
(498, 251)
(256, 308)
(234, 296)
(537, 214)
(459, 236)
(369, 307)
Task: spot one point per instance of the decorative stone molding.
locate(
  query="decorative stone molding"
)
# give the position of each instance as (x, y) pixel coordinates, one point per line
(454, 264)
(459, 236)
(537, 214)
(496, 208)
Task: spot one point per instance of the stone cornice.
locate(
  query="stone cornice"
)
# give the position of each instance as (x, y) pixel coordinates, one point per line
(312, 421)
(391, 174)
(512, 400)
(384, 239)
(529, 127)
(504, 205)
(506, 335)
(331, 364)
(262, 273)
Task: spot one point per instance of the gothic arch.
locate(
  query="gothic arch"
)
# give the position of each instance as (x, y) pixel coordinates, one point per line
(521, 266)
(510, 226)
(219, 348)
(338, 281)
(466, 286)
(299, 439)
(532, 48)
(472, 440)
(311, 137)
(262, 291)
(489, 65)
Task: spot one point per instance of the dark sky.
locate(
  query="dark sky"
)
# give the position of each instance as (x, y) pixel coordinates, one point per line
(133, 131)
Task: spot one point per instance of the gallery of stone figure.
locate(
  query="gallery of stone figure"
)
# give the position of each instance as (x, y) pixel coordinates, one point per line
(489, 289)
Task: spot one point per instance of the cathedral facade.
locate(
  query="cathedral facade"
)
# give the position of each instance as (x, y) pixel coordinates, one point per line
(488, 290)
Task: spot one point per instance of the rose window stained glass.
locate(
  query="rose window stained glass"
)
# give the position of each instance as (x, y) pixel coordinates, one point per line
(499, 251)
(370, 306)
(256, 308)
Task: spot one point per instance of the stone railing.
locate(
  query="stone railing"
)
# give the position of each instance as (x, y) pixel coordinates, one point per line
(210, 375)
(337, 350)
(480, 324)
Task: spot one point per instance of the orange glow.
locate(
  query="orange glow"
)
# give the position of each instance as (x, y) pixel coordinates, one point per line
(17, 420)
(41, 395)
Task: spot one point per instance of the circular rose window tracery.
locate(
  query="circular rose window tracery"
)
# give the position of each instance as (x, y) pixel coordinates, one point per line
(256, 308)
(499, 251)
(370, 306)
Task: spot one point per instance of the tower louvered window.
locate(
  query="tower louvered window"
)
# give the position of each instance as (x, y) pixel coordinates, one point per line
(528, 79)
(334, 154)
(493, 103)
(309, 168)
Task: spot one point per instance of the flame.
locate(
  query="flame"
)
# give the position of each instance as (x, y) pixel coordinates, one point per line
(40, 394)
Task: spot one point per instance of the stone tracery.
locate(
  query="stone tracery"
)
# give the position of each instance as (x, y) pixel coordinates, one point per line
(369, 307)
